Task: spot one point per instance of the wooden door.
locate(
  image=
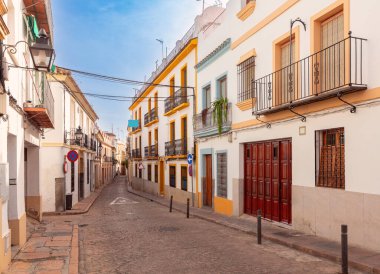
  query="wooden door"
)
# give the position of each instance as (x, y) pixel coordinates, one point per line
(162, 178)
(286, 180)
(268, 179)
(248, 179)
(208, 182)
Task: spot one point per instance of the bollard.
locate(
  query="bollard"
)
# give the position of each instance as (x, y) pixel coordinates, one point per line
(188, 208)
(171, 203)
(259, 226)
(344, 230)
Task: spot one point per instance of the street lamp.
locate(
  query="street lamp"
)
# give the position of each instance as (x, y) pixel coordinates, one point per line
(78, 134)
(42, 52)
(162, 46)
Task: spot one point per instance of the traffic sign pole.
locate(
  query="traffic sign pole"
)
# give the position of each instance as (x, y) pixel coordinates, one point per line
(190, 162)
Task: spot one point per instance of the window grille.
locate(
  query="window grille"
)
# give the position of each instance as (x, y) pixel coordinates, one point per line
(246, 74)
(149, 172)
(330, 158)
(156, 173)
(222, 174)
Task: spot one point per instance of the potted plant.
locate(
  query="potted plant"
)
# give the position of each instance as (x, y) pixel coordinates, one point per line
(220, 107)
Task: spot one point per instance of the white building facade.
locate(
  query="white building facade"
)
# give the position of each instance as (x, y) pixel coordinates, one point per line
(164, 136)
(26, 110)
(65, 182)
(300, 144)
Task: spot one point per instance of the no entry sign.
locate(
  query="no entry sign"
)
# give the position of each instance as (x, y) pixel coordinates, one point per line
(72, 156)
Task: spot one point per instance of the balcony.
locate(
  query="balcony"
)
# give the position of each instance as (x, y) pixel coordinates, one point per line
(41, 112)
(205, 124)
(176, 148)
(151, 117)
(136, 153)
(136, 129)
(176, 102)
(331, 72)
(86, 142)
(151, 151)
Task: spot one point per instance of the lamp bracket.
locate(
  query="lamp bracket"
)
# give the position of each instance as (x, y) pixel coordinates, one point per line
(353, 107)
(303, 118)
(258, 119)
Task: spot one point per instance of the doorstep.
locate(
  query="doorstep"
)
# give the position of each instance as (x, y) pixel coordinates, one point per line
(359, 258)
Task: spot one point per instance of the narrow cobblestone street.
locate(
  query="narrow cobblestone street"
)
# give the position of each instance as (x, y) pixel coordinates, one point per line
(123, 233)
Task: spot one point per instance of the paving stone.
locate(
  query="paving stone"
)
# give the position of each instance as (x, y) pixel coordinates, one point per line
(58, 243)
(50, 265)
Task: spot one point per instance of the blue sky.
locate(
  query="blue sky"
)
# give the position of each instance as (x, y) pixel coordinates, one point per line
(117, 38)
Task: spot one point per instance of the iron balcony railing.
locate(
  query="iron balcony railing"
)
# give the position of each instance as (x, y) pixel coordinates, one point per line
(136, 153)
(86, 141)
(177, 147)
(138, 127)
(150, 116)
(205, 120)
(330, 72)
(150, 151)
(179, 98)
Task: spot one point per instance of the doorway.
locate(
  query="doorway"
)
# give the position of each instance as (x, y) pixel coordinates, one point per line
(81, 179)
(268, 179)
(207, 186)
(162, 178)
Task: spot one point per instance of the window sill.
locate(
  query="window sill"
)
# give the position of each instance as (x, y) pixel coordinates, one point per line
(245, 12)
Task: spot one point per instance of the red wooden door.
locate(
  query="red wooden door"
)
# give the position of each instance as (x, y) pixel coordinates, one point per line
(275, 181)
(254, 178)
(247, 179)
(208, 181)
(286, 180)
(260, 176)
(268, 179)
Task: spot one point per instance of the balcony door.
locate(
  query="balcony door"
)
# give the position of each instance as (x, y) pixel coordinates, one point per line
(285, 77)
(332, 57)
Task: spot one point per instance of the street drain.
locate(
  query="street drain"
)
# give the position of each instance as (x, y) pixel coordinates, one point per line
(83, 225)
(168, 229)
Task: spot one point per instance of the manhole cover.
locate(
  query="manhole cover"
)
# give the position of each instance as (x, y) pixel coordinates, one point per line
(168, 229)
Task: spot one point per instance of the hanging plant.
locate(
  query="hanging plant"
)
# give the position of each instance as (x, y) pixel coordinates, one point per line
(220, 107)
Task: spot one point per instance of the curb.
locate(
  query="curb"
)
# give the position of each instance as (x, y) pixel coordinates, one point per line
(74, 252)
(71, 212)
(354, 264)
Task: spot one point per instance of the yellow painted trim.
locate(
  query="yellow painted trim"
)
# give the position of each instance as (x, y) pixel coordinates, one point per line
(182, 55)
(178, 108)
(176, 157)
(136, 131)
(247, 11)
(316, 19)
(18, 228)
(3, 7)
(247, 55)
(223, 206)
(284, 7)
(54, 145)
(152, 122)
(353, 98)
(246, 105)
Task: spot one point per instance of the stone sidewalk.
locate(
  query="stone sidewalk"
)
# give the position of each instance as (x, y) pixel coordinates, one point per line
(51, 248)
(361, 259)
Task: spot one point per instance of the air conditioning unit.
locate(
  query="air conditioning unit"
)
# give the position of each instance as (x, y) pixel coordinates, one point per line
(4, 186)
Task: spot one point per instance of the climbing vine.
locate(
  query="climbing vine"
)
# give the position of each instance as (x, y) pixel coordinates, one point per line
(220, 107)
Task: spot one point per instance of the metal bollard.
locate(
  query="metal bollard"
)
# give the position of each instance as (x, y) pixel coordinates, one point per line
(344, 231)
(188, 208)
(171, 203)
(259, 226)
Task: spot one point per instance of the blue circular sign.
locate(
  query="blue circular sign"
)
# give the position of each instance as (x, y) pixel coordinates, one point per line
(72, 156)
(189, 159)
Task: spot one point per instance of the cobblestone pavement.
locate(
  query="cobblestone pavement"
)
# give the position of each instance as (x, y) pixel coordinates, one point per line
(47, 250)
(123, 233)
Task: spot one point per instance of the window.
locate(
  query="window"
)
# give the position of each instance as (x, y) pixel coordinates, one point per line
(246, 74)
(207, 97)
(156, 173)
(330, 167)
(72, 176)
(140, 173)
(135, 170)
(221, 159)
(184, 80)
(149, 172)
(172, 176)
(171, 88)
(332, 59)
(172, 131)
(88, 171)
(222, 87)
(184, 178)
